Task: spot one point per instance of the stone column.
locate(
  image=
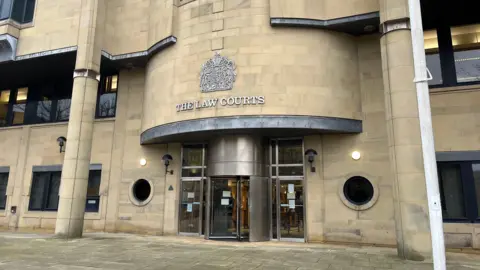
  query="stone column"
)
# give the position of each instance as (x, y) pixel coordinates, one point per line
(74, 183)
(403, 126)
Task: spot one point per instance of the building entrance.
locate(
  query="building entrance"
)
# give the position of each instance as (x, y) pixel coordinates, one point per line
(229, 211)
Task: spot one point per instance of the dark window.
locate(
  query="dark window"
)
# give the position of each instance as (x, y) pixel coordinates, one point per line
(20, 11)
(5, 9)
(460, 190)
(358, 190)
(44, 103)
(4, 104)
(142, 190)
(453, 55)
(44, 194)
(44, 191)
(3, 190)
(287, 157)
(107, 96)
(93, 191)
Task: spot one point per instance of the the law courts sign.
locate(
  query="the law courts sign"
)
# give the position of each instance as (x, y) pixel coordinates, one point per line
(221, 102)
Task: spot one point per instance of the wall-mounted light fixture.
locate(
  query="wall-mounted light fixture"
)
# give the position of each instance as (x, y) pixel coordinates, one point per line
(356, 155)
(143, 162)
(61, 142)
(166, 161)
(311, 154)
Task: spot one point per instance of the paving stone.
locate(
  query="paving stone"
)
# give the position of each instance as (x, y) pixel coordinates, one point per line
(119, 252)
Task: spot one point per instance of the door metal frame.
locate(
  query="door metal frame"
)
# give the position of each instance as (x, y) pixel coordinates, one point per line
(277, 179)
(209, 207)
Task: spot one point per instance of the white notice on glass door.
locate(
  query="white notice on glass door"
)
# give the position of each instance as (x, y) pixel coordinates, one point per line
(189, 207)
(291, 204)
(225, 202)
(291, 188)
(191, 195)
(226, 194)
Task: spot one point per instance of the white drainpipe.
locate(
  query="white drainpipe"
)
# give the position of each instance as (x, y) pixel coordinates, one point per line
(426, 129)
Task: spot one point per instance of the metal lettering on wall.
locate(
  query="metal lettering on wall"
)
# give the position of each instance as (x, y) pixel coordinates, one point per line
(218, 74)
(223, 102)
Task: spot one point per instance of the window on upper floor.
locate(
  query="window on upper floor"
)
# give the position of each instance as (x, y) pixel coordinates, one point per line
(3, 190)
(36, 104)
(460, 191)
(20, 11)
(107, 96)
(453, 55)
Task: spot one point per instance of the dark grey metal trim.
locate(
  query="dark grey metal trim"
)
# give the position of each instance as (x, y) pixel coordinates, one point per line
(95, 167)
(58, 168)
(46, 53)
(247, 124)
(458, 156)
(346, 24)
(47, 168)
(151, 51)
(4, 169)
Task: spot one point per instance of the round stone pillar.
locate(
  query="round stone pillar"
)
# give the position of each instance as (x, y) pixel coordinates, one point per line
(404, 138)
(75, 171)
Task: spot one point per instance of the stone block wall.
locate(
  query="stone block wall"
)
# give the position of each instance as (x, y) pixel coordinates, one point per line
(299, 71)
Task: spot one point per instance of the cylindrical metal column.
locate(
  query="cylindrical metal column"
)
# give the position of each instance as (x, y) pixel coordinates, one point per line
(236, 155)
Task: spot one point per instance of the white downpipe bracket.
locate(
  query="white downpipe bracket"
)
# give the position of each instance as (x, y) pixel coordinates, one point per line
(428, 147)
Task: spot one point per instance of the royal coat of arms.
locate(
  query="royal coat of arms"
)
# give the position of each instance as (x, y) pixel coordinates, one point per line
(218, 74)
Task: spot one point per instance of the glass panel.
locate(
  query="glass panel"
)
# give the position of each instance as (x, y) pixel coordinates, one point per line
(465, 41)
(192, 156)
(467, 65)
(452, 191)
(290, 152)
(190, 207)
(44, 109)
(52, 200)
(196, 172)
(3, 189)
(476, 177)
(37, 190)
(433, 57)
(4, 99)
(18, 10)
(244, 212)
(107, 105)
(19, 107)
(223, 213)
(291, 209)
(274, 171)
(433, 64)
(5, 8)
(290, 171)
(274, 208)
(63, 110)
(94, 178)
(29, 10)
(107, 101)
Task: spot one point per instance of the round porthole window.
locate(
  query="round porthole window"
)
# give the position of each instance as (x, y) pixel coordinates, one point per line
(141, 192)
(358, 190)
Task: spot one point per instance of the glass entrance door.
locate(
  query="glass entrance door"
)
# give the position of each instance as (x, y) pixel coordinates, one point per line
(229, 208)
(291, 209)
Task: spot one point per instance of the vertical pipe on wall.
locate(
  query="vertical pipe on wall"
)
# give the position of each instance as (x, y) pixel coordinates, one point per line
(426, 131)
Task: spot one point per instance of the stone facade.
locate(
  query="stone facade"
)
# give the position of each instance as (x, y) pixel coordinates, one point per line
(299, 71)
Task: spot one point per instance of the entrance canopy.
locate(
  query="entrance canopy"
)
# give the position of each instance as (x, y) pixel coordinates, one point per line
(273, 126)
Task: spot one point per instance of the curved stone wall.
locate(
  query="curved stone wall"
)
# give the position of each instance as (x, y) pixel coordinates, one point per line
(297, 71)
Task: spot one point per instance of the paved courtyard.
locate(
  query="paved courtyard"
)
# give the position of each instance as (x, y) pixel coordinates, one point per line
(119, 251)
